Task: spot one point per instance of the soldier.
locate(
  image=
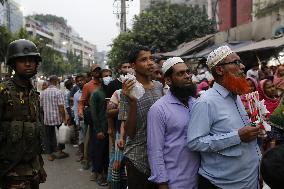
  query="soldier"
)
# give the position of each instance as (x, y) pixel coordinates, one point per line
(21, 164)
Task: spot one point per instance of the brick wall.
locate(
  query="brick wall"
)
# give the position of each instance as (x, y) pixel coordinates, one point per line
(244, 11)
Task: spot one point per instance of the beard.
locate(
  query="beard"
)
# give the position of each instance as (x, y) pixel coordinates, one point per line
(183, 92)
(235, 84)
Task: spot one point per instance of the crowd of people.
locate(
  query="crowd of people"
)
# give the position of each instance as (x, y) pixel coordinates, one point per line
(188, 128)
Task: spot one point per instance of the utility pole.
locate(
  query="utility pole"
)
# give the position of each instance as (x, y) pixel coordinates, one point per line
(121, 12)
(8, 15)
(123, 16)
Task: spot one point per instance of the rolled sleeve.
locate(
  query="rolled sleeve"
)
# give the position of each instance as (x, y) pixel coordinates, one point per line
(155, 145)
(83, 100)
(201, 139)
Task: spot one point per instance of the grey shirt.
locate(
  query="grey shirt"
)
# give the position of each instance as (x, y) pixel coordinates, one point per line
(136, 148)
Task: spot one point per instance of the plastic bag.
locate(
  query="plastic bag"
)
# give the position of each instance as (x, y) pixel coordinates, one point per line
(64, 134)
(138, 90)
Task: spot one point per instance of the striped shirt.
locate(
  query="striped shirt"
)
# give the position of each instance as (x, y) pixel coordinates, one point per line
(136, 148)
(51, 98)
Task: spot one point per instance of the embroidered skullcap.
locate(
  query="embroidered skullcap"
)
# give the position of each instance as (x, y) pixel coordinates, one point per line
(170, 62)
(218, 55)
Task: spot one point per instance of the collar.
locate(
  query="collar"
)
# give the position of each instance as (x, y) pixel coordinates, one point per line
(52, 86)
(24, 83)
(221, 90)
(173, 100)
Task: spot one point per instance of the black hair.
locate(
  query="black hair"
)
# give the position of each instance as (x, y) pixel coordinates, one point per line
(133, 54)
(106, 70)
(79, 76)
(123, 62)
(53, 78)
(68, 84)
(272, 167)
(263, 67)
(169, 72)
(159, 58)
(89, 74)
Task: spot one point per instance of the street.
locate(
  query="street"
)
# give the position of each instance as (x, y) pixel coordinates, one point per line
(67, 173)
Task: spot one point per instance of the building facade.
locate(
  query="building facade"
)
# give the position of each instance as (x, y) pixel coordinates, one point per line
(63, 39)
(267, 20)
(232, 13)
(85, 49)
(36, 29)
(11, 16)
(207, 5)
(2, 15)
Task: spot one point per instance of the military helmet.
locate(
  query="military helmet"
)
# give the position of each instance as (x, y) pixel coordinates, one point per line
(21, 48)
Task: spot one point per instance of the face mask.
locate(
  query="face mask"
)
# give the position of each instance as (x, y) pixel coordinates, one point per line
(107, 80)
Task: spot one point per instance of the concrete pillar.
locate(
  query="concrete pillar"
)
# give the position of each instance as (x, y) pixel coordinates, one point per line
(209, 9)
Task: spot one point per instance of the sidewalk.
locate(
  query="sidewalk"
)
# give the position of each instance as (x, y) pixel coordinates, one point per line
(67, 173)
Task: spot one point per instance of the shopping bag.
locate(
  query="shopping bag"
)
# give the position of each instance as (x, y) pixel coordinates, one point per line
(64, 134)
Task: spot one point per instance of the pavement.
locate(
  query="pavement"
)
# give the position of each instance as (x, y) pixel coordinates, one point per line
(67, 173)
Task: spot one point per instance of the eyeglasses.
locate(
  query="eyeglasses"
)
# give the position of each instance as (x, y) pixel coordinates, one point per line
(236, 62)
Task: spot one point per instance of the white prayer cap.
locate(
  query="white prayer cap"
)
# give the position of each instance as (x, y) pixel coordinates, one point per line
(218, 55)
(170, 62)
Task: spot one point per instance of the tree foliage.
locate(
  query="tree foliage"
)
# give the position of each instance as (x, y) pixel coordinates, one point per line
(120, 49)
(162, 27)
(5, 38)
(75, 61)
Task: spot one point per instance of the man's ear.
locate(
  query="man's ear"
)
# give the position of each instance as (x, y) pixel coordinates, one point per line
(133, 66)
(168, 81)
(219, 70)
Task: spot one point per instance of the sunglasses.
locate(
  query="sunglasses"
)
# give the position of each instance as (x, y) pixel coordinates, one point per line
(236, 62)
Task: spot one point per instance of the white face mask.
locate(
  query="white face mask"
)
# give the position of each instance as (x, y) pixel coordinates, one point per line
(107, 80)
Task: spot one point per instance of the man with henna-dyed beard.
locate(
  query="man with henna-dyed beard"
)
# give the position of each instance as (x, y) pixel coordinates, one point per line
(220, 130)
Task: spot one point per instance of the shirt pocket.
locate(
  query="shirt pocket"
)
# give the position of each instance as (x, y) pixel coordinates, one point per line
(234, 151)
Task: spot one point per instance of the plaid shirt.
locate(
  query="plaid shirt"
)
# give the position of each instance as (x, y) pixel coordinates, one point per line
(136, 148)
(50, 99)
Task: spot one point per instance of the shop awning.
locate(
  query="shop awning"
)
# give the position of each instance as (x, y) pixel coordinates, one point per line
(262, 45)
(185, 48)
(234, 45)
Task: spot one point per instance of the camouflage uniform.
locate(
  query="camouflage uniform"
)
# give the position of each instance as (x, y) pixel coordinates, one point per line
(21, 164)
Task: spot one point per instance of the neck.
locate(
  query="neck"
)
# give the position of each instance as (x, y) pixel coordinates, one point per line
(183, 100)
(144, 80)
(96, 80)
(22, 80)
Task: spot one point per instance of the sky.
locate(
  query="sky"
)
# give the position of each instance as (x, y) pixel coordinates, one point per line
(94, 20)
